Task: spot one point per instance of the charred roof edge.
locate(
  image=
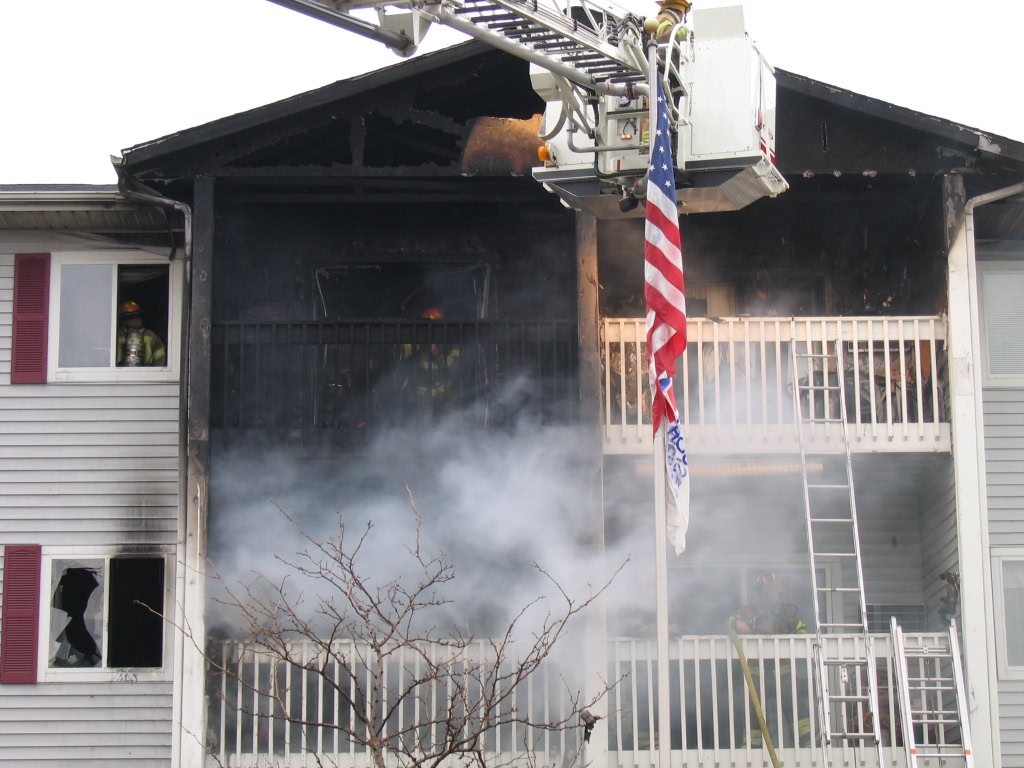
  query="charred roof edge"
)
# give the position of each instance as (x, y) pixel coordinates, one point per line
(991, 143)
(146, 153)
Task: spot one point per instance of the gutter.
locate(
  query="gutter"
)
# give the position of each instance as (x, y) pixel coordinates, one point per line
(133, 190)
(136, 192)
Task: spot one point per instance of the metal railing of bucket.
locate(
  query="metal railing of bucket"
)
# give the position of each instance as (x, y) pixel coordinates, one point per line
(734, 384)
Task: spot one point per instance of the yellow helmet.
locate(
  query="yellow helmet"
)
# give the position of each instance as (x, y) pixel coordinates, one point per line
(129, 308)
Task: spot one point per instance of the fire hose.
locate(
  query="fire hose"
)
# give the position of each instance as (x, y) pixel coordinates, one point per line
(765, 735)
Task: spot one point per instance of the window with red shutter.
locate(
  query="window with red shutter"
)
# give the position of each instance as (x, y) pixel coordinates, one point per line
(31, 318)
(19, 631)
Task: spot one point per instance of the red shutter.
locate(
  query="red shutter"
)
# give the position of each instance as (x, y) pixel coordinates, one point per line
(31, 318)
(19, 633)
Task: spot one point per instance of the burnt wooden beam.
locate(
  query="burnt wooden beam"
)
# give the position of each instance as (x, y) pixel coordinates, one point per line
(195, 372)
(337, 172)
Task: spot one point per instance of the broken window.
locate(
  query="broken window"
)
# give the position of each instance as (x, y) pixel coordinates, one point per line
(76, 615)
(105, 613)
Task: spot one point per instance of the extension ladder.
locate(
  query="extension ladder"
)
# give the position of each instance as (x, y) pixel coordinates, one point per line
(932, 702)
(844, 671)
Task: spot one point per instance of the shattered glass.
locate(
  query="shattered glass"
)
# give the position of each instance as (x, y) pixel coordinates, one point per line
(76, 614)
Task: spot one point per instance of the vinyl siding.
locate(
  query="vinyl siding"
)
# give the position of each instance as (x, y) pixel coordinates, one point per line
(939, 546)
(1004, 475)
(85, 465)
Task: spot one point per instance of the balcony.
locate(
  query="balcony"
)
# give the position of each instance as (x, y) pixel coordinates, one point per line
(337, 382)
(710, 711)
(734, 385)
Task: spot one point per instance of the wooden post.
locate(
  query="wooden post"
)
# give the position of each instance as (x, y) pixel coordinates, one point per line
(589, 323)
(197, 496)
(968, 468)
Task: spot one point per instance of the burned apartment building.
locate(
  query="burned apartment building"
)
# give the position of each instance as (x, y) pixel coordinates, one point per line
(371, 292)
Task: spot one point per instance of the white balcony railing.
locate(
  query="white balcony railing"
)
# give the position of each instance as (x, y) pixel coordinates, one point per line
(712, 721)
(734, 384)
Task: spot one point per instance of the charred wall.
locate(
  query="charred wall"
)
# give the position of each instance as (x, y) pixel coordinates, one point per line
(835, 246)
(359, 261)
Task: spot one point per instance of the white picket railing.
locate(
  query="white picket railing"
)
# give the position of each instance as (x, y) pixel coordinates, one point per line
(711, 717)
(734, 384)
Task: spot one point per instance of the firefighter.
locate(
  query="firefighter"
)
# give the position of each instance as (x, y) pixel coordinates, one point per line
(768, 615)
(437, 366)
(672, 13)
(137, 346)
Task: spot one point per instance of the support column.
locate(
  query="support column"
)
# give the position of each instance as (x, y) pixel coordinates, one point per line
(589, 323)
(197, 496)
(968, 466)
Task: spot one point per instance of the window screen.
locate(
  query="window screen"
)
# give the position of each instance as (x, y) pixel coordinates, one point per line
(86, 312)
(1013, 598)
(1004, 321)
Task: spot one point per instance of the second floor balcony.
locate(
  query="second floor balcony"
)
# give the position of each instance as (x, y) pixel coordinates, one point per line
(735, 384)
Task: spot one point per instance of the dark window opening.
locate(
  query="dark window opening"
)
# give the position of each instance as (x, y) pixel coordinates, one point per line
(136, 602)
(147, 287)
(77, 617)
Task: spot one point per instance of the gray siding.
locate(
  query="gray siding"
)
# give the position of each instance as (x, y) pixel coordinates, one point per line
(1004, 465)
(939, 547)
(1004, 476)
(85, 465)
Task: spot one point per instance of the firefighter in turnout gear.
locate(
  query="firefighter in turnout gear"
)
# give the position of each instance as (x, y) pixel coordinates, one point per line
(434, 379)
(672, 13)
(768, 615)
(137, 346)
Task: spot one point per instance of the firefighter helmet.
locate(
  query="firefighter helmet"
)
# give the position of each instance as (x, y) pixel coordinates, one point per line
(768, 577)
(129, 309)
(432, 314)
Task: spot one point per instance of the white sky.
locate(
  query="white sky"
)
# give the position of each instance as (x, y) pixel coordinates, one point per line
(82, 79)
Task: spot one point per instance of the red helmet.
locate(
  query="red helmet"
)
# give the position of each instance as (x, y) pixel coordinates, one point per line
(432, 314)
(768, 577)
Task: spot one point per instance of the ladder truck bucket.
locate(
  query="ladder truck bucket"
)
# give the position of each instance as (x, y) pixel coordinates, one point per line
(722, 95)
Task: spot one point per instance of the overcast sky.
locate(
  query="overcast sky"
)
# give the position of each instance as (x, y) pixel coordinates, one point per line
(83, 79)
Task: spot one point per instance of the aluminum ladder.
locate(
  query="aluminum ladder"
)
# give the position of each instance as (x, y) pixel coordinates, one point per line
(845, 663)
(932, 699)
(543, 28)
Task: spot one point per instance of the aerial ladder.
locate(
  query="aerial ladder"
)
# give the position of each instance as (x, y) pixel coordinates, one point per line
(590, 63)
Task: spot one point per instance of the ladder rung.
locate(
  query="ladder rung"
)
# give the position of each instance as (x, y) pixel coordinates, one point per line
(823, 421)
(935, 712)
(839, 589)
(864, 699)
(858, 626)
(815, 354)
(926, 655)
(831, 519)
(930, 721)
(818, 388)
(845, 662)
(827, 485)
(853, 736)
(930, 680)
(836, 554)
(932, 688)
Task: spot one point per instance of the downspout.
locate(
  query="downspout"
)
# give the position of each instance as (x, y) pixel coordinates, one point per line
(975, 316)
(136, 192)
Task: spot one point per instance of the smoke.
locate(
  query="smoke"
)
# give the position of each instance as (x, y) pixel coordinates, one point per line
(495, 501)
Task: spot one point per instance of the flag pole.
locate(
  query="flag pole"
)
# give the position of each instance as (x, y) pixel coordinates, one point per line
(660, 512)
(661, 598)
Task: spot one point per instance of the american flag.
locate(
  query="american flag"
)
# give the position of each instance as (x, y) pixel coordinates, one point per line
(666, 314)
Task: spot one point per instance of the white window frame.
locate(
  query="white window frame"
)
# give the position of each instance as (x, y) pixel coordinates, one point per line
(1001, 555)
(48, 674)
(173, 341)
(989, 268)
